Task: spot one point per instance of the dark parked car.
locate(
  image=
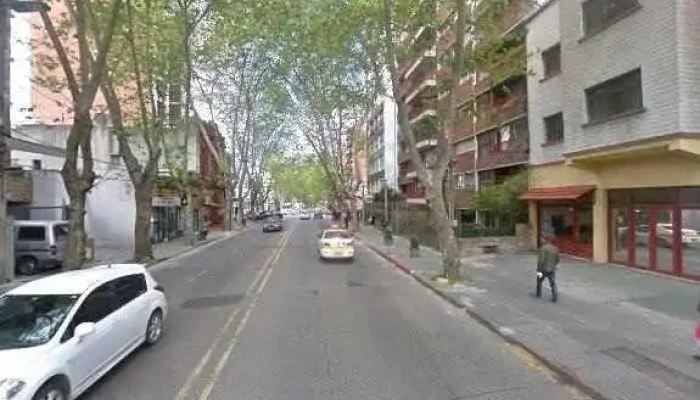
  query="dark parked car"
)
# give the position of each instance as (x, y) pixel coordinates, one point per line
(272, 224)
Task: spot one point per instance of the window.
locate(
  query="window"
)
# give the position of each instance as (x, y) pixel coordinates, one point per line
(616, 96)
(35, 233)
(554, 128)
(599, 14)
(464, 180)
(551, 60)
(60, 231)
(36, 164)
(31, 320)
(97, 306)
(489, 142)
(129, 287)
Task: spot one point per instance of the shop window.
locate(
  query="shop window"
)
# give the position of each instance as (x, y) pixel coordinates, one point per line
(690, 196)
(690, 241)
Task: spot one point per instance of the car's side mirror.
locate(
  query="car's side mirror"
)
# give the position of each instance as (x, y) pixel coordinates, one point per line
(319, 235)
(84, 330)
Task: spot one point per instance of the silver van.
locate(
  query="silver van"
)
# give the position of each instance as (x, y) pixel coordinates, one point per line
(39, 245)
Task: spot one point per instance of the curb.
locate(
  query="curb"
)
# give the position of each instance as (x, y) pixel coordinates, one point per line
(561, 372)
(197, 247)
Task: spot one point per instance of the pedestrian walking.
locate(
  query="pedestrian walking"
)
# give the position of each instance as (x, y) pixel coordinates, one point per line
(547, 262)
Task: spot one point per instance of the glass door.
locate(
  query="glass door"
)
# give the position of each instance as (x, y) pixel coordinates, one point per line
(642, 238)
(621, 236)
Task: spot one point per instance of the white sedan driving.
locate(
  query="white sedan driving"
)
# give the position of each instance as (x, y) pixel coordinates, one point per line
(60, 334)
(336, 243)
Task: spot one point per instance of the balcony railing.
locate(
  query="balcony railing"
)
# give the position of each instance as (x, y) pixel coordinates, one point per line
(496, 114)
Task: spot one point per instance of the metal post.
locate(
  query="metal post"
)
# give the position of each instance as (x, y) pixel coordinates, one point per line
(386, 200)
(6, 258)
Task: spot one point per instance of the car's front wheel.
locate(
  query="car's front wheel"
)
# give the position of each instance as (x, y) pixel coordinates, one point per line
(52, 390)
(154, 330)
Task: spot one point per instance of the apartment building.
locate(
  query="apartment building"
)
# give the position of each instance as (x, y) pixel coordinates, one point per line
(615, 135)
(491, 140)
(381, 134)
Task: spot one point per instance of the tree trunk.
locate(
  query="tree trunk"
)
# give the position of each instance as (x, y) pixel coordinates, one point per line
(449, 248)
(76, 225)
(354, 223)
(143, 247)
(77, 184)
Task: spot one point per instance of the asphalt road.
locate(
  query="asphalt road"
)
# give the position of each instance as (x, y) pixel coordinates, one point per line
(258, 316)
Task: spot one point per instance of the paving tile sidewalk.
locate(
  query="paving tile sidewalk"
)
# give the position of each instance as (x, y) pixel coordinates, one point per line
(617, 333)
(161, 252)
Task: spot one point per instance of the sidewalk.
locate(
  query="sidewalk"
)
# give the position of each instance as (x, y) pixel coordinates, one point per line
(615, 333)
(161, 252)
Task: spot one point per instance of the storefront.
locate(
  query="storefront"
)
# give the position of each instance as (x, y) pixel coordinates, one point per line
(167, 219)
(565, 216)
(656, 229)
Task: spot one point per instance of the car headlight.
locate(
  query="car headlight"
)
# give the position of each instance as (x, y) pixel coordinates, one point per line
(9, 388)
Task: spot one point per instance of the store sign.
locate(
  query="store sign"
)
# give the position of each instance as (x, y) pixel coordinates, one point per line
(165, 202)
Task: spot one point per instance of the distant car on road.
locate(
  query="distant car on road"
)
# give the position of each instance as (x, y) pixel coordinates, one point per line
(335, 243)
(62, 333)
(39, 245)
(272, 224)
(304, 215)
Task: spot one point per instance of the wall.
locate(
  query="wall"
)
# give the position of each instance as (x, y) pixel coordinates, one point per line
(646, 38)
(545, 96)
(390, 143)
(111, 212)
(688, 20)
(49, 195)
(506, 244)
(20, 70)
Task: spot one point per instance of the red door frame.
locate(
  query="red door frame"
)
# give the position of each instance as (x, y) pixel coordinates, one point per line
(581, 249)
(653, 211)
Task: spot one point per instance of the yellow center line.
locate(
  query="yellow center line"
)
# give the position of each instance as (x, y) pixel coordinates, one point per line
(187, 386)
(223, 361)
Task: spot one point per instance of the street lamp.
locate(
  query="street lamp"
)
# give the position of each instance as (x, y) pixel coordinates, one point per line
(6, 256)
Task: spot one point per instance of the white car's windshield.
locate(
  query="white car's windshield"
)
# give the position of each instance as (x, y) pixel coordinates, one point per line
(31, 320)
(337, 235)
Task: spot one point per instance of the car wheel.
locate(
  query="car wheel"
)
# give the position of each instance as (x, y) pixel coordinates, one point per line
(154, 330)
(52, 390)
(27, 266)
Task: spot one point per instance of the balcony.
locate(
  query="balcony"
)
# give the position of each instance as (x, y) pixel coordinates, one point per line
(497, 113)
(506, 146)
(418, 113)
(19, 186)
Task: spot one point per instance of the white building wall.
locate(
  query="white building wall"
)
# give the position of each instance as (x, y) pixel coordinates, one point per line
(688, 47)
(391, 164)
(545, 96)
(21, 70)
(646, 38)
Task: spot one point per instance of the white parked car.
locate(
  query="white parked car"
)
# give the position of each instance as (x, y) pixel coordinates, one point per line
(336, 243)
(60, 334)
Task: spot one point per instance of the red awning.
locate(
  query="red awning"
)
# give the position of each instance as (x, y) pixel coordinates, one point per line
(557, 193)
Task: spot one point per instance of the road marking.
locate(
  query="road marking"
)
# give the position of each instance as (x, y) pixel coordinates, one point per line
(187, 386)
(223, 361)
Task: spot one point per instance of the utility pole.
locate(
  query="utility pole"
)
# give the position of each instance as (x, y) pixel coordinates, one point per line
(7, 258)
